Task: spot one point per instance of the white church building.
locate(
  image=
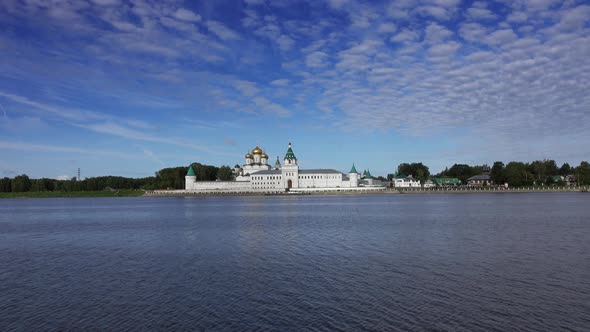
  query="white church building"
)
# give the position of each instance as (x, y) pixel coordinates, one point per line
(257, 175)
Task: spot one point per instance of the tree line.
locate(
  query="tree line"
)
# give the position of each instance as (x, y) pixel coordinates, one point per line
(514, 173)
(166, 178)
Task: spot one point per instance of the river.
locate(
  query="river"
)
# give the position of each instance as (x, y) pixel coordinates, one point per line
(480, 262)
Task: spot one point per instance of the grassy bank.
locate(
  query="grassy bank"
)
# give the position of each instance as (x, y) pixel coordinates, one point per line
(47, 194)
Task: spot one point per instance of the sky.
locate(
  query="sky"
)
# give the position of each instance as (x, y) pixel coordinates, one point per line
(127, 87)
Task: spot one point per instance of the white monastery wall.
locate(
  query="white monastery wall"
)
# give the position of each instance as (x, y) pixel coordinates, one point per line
(219, 185)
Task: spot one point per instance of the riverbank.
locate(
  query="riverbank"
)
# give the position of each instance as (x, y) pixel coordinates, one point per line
(316, 191)
(363, 191)
(491, 190)
(50, 194)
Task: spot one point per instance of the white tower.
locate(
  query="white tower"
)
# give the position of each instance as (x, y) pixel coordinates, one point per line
(353, 177)
(290, 170)
(190, 179)
(249, 159)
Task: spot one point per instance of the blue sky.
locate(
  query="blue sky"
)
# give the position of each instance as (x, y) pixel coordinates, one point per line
(120, 87)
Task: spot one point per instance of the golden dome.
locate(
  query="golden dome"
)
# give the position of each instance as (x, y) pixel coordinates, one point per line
(248, 156)
(264, 156)
(257, 150)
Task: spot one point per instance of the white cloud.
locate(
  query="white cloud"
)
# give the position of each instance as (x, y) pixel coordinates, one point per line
(221, 31)
(106, 2)
(337, 4)
(254, 2)
(443, 50)
(269, 107)
(574, 18)
(280, 82)
(433, 11)
(436, 33)
(500, 37)
(246, 88)
(387, 28)
(47, 148)
(473, 32)
(517, 16)
(480, 14)
(405, 36)
(316, 59)
(285, 43)
(187, 15)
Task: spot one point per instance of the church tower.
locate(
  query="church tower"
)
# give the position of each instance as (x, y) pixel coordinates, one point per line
(277, 164)
(290, 170)
(190, 179)
(353, 177)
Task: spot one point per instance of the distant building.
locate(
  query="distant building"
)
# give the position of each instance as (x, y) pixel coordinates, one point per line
(555, 179)
(446, 182)
(570, 180)
(429, 184)
(402, 181)
(368, 180)
(481, 180)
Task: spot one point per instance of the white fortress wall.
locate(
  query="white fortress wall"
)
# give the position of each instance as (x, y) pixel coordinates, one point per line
(217, 185)
(320, 180)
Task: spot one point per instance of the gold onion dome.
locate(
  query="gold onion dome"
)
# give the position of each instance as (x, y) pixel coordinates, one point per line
(257, 150)
(248, 155)
(264, 155)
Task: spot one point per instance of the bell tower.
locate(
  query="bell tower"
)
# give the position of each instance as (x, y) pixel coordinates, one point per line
(290, 170)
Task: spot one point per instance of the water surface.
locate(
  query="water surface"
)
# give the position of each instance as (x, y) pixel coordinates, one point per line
(481, 262)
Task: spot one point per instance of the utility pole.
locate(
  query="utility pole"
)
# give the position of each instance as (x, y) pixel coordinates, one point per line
(78, 173)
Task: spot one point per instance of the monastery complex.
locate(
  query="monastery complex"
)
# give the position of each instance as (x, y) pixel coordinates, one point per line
(257, 175)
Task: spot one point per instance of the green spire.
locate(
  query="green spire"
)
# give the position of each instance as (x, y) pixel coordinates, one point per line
(353, 169)
(190, 172)
(290, 155)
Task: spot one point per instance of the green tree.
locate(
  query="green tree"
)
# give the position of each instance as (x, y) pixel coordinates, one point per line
(541, 169)
(224, 173)
(20, 183)
(5, 185)
(461, 171)
(172, 178)
(565, 169)
(517, 174)
(43, 184)
(205, 172)
(417, 170)
(583, 173)
(497, 173)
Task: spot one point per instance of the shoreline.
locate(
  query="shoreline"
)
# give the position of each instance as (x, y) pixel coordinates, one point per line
(387, 191)
(372, 191)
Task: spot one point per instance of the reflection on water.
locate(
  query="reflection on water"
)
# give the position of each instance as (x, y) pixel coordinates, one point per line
(380, 262)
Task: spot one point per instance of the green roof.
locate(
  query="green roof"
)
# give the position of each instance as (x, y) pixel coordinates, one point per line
(353, 169)
(190, 172)
(290, 155)
(445, 180)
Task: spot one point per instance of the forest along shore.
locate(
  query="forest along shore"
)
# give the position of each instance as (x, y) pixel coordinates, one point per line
(57, 194)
